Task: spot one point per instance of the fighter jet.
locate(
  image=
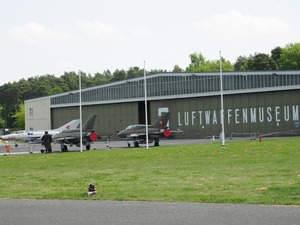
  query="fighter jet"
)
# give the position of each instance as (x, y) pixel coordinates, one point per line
(137, 132)
(72, 136)
(34, 137)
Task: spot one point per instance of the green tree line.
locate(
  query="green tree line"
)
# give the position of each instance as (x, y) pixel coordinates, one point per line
(13, 95)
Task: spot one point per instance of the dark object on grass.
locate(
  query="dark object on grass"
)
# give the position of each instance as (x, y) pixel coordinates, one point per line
(91, 190)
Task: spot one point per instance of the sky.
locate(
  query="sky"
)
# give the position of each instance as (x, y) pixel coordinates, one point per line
(40, 37)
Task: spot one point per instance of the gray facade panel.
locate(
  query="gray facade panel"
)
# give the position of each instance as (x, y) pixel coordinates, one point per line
(110, 117)
(244, 114)
(61, 116)
(199, 117)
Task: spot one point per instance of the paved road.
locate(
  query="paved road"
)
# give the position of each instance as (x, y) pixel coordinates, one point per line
(65, 212)
(100, 145)
(111, 145)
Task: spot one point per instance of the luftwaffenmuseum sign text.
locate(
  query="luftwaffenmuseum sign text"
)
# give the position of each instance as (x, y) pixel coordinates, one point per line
(240, 115)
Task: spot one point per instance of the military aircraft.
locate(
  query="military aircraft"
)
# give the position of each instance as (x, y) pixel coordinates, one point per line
(137, 132)
(72, 136)
(34, 137)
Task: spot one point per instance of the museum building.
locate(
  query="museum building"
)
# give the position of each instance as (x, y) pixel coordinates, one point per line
(255, 103)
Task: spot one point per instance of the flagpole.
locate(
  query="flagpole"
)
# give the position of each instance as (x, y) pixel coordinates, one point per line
(222, 103)
(80, 110)
(146, 108)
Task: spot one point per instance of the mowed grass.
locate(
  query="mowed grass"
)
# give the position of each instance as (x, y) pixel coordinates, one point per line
(252, 172)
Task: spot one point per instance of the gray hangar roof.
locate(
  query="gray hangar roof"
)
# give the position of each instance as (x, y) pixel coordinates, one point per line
(179, 85)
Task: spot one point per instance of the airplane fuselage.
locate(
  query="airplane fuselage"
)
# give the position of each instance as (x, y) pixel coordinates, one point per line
(27, 135)
(72, 136)
(34, 136)
(139, 130)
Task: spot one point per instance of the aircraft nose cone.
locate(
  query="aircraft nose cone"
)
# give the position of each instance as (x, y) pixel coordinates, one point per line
(121, 133)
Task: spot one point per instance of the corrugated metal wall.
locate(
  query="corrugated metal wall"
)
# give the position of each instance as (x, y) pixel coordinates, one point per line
(199, 117)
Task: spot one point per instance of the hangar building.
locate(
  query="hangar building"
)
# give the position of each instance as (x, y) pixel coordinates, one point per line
(254, 103)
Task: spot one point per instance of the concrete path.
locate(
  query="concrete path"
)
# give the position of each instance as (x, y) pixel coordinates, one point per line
(65, 212)
(103, 145)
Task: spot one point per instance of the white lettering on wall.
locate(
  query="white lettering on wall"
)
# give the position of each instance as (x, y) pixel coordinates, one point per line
(261, 114)
(200, 116)
(229, 115)
(286, 113)
(277, 113)
(207, 117)
(193, 117)
(269, 117)
(245, 115)
(253, 115)
(179, 121)
(237, 115)
(215, 117)
(186, 118)
(295, 113)
(240, 115)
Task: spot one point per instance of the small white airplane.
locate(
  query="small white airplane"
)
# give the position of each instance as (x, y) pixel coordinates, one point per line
(34, 137)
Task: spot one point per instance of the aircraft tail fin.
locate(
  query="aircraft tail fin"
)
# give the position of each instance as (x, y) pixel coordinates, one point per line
(162, 120)
(70, 125)
(89, 123)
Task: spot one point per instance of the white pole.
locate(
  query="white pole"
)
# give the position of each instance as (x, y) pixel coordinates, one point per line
(222, 104)
(80, 110)
(146, 113)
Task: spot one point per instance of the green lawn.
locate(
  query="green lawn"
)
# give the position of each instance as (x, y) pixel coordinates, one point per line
(254, 172)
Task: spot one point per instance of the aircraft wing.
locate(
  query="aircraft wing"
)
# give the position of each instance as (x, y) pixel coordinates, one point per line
(72, 140)
(176, 132)
(104, 135)
(66, 138)
(163, 133)
(136, 135)
(34, 141)
(142, 136)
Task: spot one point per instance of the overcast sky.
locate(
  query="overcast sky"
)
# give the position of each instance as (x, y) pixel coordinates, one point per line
(41, 37)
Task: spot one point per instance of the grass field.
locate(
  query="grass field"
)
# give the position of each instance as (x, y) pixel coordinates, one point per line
(254, 172)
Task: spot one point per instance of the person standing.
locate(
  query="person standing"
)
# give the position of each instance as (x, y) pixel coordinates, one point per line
(46, 141)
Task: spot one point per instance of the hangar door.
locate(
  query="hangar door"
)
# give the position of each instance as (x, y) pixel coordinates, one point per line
(142, 118)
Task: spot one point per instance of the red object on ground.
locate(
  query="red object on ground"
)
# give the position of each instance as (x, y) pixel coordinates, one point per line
(7, 147)
(167, 133)
(93, 136)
